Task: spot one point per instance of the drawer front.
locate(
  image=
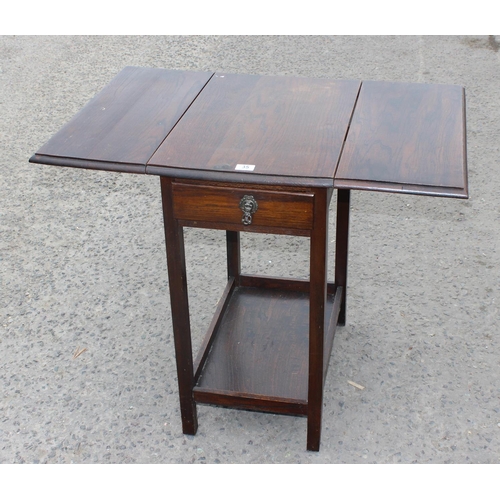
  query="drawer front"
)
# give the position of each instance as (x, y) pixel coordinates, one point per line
(243, 207)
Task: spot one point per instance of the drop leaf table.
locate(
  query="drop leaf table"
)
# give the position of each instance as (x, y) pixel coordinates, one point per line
(264, 154)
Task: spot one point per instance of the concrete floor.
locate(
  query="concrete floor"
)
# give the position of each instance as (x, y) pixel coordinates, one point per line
(83, 270)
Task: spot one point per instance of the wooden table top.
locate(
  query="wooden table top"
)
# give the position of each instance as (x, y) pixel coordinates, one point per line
(123, 125)
(383, 136)
(406, 137)
(279, 125)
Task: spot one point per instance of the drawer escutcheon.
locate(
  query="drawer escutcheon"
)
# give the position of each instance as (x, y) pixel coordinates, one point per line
(248, 205)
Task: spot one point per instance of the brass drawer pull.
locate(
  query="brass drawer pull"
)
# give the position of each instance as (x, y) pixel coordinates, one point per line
(248, 206)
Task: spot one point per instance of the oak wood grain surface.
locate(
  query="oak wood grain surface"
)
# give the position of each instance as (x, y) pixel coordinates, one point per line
(406, 136)
(403, 137)
(261, 346)
(126, 122)
(275, 208)
(285, 126)
(269, 344)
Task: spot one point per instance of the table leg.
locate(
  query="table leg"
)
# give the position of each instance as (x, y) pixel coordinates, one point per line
(176, 263)
(341, 247)
(233, 255)
(317, 298)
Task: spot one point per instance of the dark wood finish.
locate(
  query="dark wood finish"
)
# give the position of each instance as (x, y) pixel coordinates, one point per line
(389, 187)
(221, 177)
(406, 134)
(129, 168)
(341, 247)
(268, 345)
(247, 178)
(407, 138)
(257, 186)
(261, 345)
(253, 402)
(213, 328)
(286, 126)
(259, 358)
(123, 125)
(318, 279)
(287, 284)
(227, 226)
(222, 205)
(233, 255)
(176, 262)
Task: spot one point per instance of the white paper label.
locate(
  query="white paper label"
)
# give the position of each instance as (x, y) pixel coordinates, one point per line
(245, 168)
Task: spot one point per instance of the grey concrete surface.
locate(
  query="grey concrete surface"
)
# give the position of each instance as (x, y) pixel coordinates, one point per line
(83, 269)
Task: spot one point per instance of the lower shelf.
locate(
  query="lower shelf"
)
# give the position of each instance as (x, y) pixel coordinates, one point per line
(257, 353)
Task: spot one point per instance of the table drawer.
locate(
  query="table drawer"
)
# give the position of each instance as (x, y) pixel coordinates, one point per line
(243, 207)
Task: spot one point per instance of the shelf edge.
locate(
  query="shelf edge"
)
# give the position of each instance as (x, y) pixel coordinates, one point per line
(253, 402)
